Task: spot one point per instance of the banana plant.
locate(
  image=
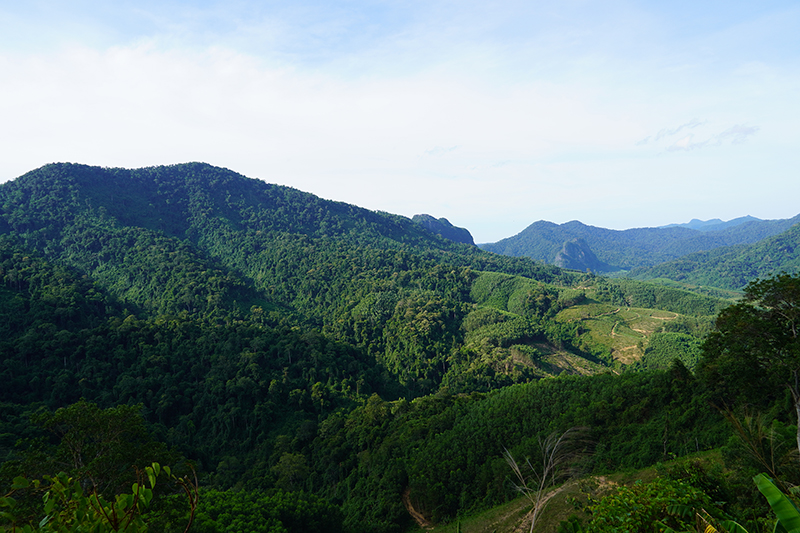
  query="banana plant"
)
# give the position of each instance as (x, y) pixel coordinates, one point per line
(787, 512)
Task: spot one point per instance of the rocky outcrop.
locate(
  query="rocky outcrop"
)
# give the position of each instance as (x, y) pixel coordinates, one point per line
(443, 228)
(576, 255)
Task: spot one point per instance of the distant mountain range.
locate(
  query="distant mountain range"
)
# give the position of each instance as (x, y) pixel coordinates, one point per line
(714, 224)
(606, 250)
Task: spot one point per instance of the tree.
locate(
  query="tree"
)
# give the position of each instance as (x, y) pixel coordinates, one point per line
(102, 447)
(756, 348)
(292, 471)
(99, 455)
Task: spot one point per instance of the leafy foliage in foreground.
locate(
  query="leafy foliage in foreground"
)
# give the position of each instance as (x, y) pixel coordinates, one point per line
(70, 507)
(644, 505)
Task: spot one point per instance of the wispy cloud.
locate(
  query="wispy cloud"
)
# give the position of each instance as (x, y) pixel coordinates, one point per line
(738, 133)
(705, 136)
(669, 132)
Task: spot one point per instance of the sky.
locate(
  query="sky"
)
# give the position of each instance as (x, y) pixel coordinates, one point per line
(492, 114)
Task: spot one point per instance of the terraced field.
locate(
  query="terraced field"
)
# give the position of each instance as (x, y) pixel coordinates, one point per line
(625, 330)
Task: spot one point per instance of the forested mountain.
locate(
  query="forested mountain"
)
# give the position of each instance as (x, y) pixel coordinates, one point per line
(289, 344)
(632, 248)
(206, 241)
(732, 267)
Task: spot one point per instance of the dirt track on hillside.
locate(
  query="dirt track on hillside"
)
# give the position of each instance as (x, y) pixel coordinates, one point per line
(418, 517)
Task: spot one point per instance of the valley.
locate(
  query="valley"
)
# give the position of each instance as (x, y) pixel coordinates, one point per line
(341, 364)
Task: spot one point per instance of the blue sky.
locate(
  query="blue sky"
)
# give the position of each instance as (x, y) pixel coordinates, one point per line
(492, 114)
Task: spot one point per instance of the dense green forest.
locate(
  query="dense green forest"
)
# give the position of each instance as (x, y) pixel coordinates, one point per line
(319, 366)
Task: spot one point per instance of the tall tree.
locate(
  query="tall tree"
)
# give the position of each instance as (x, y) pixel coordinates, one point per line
(756, 347)
(103, 448)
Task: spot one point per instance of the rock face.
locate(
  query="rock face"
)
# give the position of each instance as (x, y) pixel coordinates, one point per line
(443, 228)
(576, 255)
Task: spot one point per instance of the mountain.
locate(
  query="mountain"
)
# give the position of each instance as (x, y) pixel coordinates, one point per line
(714, 224)
(632, 248)
(443, 227)
(732, 267)
(206, 243)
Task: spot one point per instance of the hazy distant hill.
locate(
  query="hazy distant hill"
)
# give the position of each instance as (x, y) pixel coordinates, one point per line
(632, 248)
(732, 267)
(713, 224)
